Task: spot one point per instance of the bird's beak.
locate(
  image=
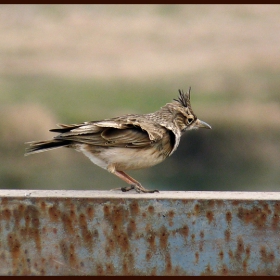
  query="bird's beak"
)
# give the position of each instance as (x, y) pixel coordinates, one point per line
(202, 124)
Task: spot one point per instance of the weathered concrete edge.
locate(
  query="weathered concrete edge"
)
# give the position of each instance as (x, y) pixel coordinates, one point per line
(195, 195)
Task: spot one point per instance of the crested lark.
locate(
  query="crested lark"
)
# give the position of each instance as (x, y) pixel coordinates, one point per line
(127, 142)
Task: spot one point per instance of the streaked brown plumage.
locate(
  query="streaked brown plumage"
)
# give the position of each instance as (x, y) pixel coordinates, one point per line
(127, 142)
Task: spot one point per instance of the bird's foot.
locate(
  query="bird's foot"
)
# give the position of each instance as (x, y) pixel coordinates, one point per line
(138, 188)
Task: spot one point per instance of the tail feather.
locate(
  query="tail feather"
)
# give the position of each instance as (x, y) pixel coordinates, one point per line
(65, 127)
(42, 146)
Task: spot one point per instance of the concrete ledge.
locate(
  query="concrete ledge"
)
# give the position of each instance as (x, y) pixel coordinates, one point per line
(115, 233)
(134, 195)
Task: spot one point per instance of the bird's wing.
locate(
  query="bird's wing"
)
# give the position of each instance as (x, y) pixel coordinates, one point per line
(125, 132)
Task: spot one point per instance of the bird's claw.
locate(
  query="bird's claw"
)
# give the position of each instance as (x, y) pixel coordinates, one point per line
(140, 189)
(137, 188)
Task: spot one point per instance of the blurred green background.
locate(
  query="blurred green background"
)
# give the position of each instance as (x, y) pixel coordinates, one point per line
(76, 63)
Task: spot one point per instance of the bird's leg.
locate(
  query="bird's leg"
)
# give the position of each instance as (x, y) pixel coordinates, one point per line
(135, 184)
(132, 182)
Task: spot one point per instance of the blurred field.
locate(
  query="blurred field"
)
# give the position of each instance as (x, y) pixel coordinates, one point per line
(75, 63)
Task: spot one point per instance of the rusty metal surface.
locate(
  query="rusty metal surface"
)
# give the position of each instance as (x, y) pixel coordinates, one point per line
(111, 233)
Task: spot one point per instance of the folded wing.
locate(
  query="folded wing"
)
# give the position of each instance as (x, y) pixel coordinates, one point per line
(134, 132)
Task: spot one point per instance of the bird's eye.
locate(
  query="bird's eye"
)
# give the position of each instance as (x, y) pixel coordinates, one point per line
(190, 119)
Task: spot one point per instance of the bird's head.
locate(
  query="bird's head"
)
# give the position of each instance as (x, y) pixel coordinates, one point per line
(184, 117)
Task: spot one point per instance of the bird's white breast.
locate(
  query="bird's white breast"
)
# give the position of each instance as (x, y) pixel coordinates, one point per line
(122, 158)
(96, 160)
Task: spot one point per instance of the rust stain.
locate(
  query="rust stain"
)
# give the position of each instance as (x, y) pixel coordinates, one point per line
(271, 257)
(43, 205)
(210, 216)
(239, 249)
(178, 271)
(32, 225)
(131, 228)
(21, 207)
(106, 210)
(125, 268)
(44, 230)
(263, 253)
(163, 237)
(276, 216)
(154, 271)
(208, 270)
(6, 213)
(240, 245)
(201, 245)
(14, 247)
(95, 233)
(228, 217)
(267, 257)
(221, 255)
(4, 201)
(245, 266)
(220, 203)
(277, 207)
(211, 203)
(110, 245)
(130, 257)
(275, 220)
(148, 227)
(266, 208)
(134, 208)
(230, 254)
(151, 209)
(72, 215)
(227, 235)
(184, 201)
(119, 215)
(257, 216)
(168, 264)
(99, 269)
(235, 202)
(170, 216)
(109, 269)
(184, 231)
(27, 220)
(151, 237)
(54, 213)
(108, 251)
(148, 255)
(123, 241)
(197, 209)
(65, 250)
(248, 251)
(87, 236)
(72, 255)
(201, 234)
(90, 212)
(224, 270)
(196, 257)
(193, 237)
(67, 223)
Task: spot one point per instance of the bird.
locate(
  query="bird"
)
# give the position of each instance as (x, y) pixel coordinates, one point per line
(127, 142)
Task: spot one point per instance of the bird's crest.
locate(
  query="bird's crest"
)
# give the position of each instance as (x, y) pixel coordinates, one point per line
(184, 98)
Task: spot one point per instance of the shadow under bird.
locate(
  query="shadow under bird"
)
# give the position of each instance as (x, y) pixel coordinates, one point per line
(127, 142)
